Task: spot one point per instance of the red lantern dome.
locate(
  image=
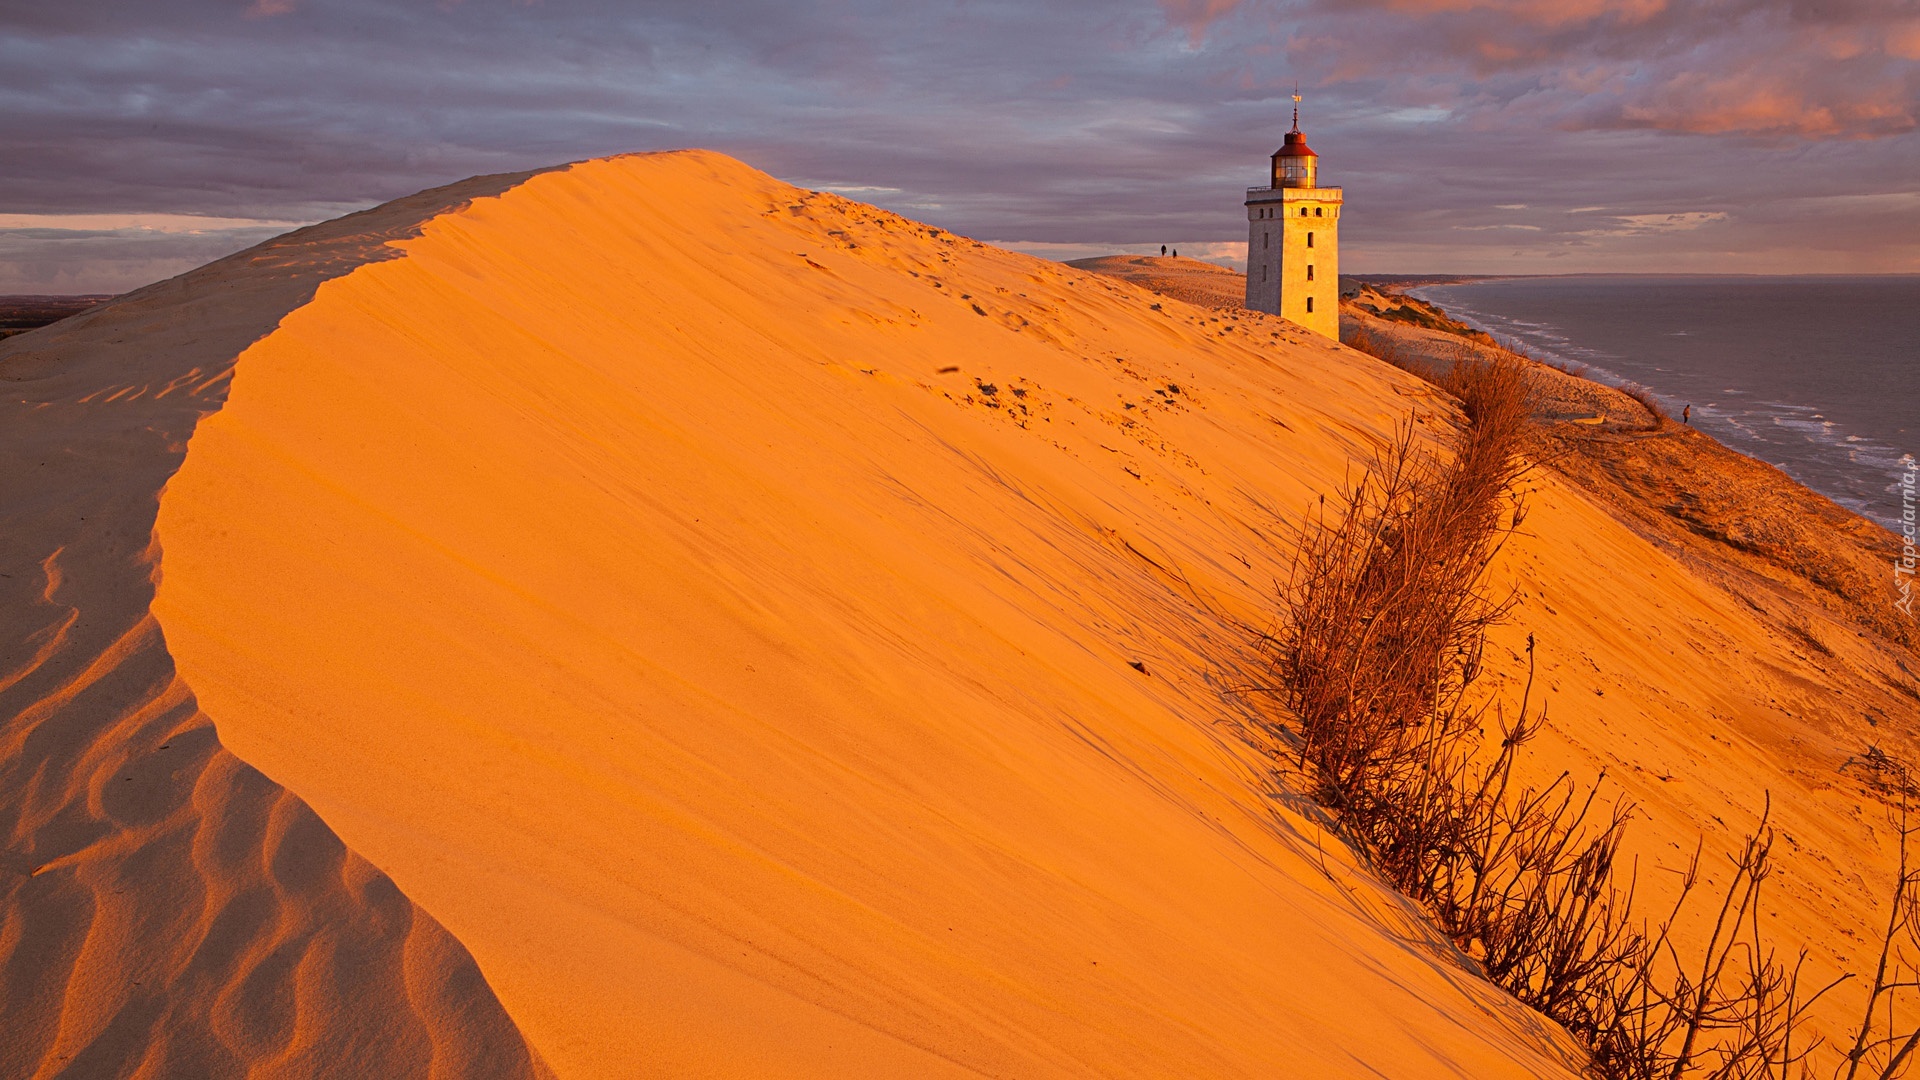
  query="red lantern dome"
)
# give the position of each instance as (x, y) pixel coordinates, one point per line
(1295, 164)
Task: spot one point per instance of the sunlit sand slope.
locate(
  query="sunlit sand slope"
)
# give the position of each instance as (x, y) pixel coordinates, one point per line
(779, 639)
(1710, 636)
(165, 910)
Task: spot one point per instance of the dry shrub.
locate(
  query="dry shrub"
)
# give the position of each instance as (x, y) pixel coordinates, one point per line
(1733, 1011)
(1384, 347)
(1565, 367)
(1647, 400)
(1385, 641)
(1884, 1046)
(1388, 613)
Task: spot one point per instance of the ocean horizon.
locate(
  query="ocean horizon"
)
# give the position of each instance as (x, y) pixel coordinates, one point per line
(1817, 375)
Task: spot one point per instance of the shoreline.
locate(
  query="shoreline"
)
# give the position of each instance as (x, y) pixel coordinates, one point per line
(1688, 491)
(1852, 467)
(1733, 514)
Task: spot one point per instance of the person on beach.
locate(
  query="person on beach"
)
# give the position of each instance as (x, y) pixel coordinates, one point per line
(1686, 414)
(1163, 251)
(1176, 253)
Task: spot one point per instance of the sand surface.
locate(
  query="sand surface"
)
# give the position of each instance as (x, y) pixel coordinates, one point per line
(641, 573)
(1201, 283)
(165, 910)
(1711, 634)
(776, 638)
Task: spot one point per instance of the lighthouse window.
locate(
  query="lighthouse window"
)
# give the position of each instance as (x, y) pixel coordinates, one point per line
(1309, 305)
(1263, 271)
(1316, 211)
(1309, 239)
(1303, 211)
(1264, 237)
(1309, 271)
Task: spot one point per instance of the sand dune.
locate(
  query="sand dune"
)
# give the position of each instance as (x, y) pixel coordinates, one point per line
(167, 910)
(642, 572)
(1202, 283)
(776, 638)
(1711, 635)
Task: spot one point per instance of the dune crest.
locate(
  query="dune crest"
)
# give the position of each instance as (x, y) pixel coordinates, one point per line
(781, 639)
(166, 910)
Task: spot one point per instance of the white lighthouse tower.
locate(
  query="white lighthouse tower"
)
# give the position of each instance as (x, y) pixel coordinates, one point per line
(1293, 239)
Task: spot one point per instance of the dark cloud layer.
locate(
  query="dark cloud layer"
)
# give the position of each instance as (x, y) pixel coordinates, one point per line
(1471, 135)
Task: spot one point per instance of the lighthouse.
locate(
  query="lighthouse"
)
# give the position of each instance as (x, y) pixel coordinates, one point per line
(1293, 239)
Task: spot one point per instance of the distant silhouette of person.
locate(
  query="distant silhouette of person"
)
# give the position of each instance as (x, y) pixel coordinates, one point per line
(1163, 251)
(1686, 415)
(1176, 253)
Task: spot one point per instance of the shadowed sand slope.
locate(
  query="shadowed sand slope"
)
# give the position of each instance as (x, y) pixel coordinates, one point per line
(780, 639)
(166, 910)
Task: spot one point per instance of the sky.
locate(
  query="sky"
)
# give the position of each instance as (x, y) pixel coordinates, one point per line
(140, 138)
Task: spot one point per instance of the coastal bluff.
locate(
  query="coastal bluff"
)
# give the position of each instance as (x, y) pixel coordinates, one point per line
(643, 618)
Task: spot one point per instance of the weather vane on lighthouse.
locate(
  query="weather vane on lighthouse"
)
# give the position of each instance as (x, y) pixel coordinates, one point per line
(1296, 104)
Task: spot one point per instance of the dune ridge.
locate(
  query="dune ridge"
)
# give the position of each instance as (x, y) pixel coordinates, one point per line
(778, 638)
(166, 910)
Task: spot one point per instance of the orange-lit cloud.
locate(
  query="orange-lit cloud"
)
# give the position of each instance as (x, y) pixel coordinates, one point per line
(1195, 16)
(1739, 67)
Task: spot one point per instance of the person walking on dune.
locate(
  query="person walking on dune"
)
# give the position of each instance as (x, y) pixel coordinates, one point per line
(1686, 414)
(1163, 251)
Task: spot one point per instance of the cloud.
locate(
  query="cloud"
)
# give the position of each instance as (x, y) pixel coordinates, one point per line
(1644, 224)
(266, 9)
(1098, 123)
(1670, 222)
(1744, 67)
(1196, 16)
(153, 223)
(74, 258)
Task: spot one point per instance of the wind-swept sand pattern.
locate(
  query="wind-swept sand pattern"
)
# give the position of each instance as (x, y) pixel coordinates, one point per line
(624, 572)
(166, 910)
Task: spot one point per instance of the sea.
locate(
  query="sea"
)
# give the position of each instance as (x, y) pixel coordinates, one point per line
(1819, 376)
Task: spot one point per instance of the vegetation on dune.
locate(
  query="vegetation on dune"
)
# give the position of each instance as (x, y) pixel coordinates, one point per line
(1376, 663)
(1397, 307)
